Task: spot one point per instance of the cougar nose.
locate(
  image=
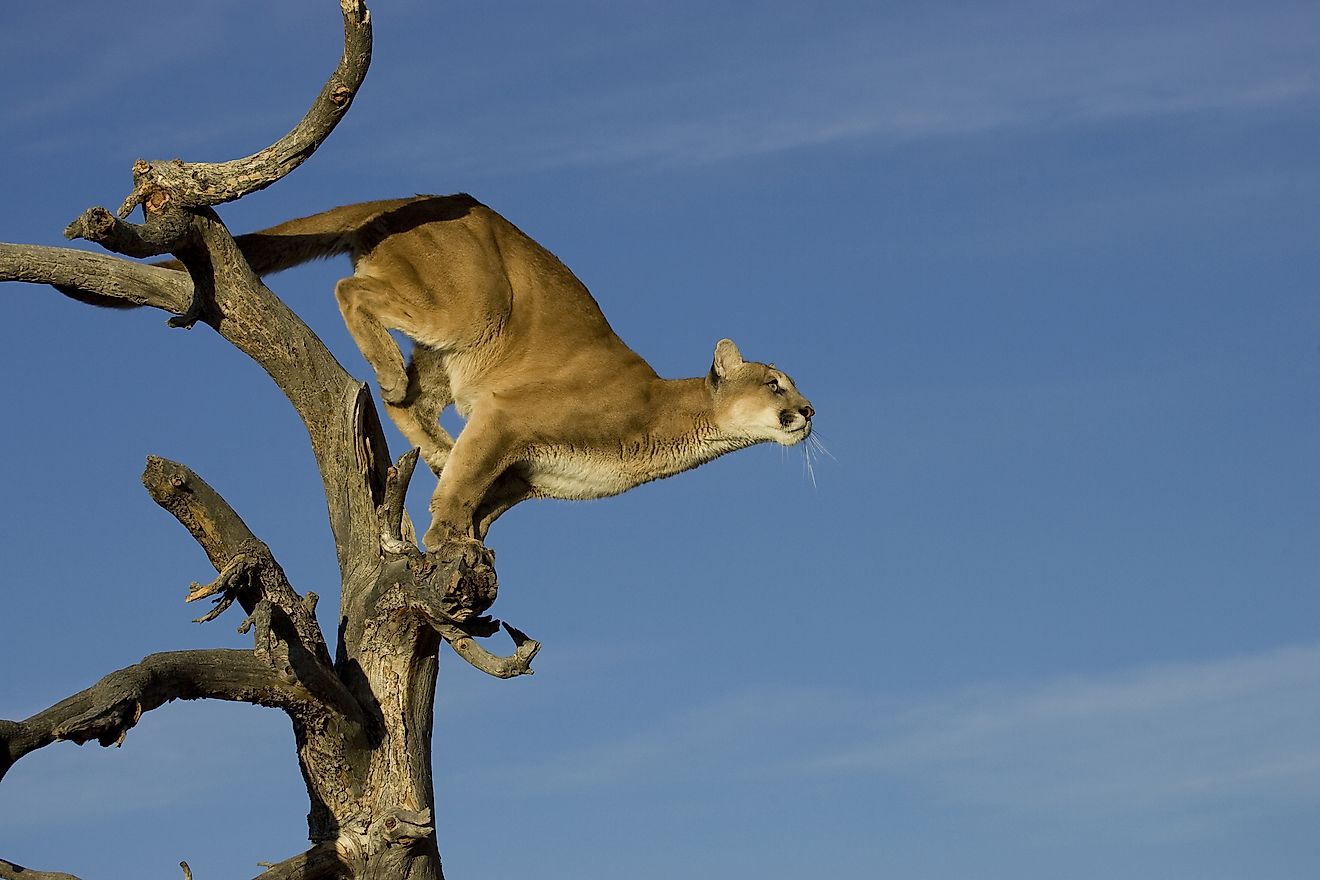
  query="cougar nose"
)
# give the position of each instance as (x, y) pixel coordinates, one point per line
(807, 411)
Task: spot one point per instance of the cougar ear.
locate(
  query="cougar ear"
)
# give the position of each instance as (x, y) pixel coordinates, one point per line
(727, 357)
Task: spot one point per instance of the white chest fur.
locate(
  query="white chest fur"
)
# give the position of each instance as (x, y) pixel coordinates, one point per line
(579, 474)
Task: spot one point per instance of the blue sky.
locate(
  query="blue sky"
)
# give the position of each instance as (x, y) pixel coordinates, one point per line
(1048, 273)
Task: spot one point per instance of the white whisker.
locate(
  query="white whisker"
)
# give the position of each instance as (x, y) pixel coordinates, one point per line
(820, 445)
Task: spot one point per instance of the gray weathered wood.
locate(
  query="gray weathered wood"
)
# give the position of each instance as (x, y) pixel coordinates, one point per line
(362, 714)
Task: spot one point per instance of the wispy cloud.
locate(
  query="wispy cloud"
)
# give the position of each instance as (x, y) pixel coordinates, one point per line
(1166, 737)
(937, 74)
(1179, 740)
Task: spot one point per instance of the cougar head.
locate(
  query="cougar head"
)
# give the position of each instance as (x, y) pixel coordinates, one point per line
(755, 400)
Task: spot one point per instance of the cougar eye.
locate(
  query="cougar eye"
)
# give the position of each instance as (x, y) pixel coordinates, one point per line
(773, 385)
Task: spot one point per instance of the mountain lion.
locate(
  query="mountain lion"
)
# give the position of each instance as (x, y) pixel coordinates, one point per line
(556, 405)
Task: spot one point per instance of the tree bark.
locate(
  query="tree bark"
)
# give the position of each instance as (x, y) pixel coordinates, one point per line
(362, 718)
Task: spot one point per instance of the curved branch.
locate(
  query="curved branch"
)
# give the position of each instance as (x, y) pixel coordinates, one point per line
(204, 184)
(176, 198)
(170, 192)
(107, 710)
(336, 409)
(518, 663)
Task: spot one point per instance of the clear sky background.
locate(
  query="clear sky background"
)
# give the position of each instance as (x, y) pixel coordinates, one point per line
(1048, 273)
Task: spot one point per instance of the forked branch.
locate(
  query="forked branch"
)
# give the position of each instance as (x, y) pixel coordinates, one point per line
(247, 570)
(288, 637)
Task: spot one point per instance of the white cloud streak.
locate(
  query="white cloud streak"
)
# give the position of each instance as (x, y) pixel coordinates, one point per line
(1162, 738)
(1182, 741)
(939, 75)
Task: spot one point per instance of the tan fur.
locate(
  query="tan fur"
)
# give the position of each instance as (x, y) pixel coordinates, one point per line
(557, 406)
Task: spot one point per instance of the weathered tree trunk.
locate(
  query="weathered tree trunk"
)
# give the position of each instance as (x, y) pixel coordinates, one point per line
(362, 719)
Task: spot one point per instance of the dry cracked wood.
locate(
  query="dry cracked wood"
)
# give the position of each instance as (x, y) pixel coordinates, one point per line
(362, 716)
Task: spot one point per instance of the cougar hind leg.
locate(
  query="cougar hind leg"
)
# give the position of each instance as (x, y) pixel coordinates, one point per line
(418, 414)
(362, 302)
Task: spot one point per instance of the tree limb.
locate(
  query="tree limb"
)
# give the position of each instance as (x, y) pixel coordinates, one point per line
(170, 191)
(226, 295)
(518, 663)
(110, 278)
(107, 710)
(176, 199)
(397, 534)
(204, 184)
(288, 636)
(10, 871)
(335, 408)
(248, 570)
(321, 862)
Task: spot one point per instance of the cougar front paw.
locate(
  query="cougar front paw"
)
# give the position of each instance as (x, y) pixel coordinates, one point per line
(449, 545)
(441, 533)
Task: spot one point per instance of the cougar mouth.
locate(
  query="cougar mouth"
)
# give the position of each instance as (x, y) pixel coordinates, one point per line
(796, 424)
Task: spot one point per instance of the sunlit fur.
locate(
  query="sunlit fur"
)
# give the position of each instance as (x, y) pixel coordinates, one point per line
(557, 406)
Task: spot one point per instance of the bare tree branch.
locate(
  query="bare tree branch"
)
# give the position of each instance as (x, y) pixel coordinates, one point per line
(204, 184)
(321, 862)
(335, 408)
(397, 533)
(519, 663)
(110, 278)
(10, 871)
(248, 570)
(170, 191)
(176, 198)
(164, 232)
(362, 722)
(288, 636)
(107, 710)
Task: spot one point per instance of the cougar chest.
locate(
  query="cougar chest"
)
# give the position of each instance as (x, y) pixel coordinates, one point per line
(576, 474)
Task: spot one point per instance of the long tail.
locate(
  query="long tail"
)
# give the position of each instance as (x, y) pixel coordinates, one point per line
(328, 234)
(317, 237)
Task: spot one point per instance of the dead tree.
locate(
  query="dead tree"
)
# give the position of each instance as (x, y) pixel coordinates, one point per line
(362, 718)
